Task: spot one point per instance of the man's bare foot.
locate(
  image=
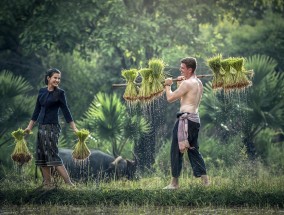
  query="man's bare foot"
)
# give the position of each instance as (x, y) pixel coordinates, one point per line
(171, 187)
(205, 180)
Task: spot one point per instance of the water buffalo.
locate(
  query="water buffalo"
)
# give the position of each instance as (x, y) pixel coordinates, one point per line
(99, 166)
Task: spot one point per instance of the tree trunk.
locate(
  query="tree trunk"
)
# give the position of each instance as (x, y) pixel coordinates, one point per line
(115, 151)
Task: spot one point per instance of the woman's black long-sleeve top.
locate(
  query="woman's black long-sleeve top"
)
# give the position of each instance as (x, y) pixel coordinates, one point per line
(47, 107)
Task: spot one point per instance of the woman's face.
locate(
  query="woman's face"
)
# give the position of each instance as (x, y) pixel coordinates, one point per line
(54, 80)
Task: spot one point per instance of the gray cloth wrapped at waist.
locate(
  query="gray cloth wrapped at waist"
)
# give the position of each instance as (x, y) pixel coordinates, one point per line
(183, 129)
(194, 117)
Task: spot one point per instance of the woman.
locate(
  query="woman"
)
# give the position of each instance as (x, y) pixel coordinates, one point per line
(49, 100)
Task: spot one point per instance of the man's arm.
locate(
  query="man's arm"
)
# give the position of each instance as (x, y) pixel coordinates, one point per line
(178, 93)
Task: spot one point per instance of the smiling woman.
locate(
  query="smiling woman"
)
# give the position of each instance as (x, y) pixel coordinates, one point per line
(49, 100)
(52, 78)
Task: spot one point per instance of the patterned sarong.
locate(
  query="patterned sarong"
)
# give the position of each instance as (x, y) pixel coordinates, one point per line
(46, 147)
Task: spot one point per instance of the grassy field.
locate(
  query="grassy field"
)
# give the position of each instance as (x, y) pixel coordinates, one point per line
(245, 192)
(132, 209)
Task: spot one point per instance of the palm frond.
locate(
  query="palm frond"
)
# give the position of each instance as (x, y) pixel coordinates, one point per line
(262, 104)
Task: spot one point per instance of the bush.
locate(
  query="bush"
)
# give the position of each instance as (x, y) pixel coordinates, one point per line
(271, 152)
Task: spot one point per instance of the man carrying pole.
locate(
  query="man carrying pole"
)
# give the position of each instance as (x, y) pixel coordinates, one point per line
(186, 128)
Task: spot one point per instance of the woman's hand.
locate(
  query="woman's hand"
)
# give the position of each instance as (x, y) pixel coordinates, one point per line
(73, 126)
(28, 130)
(75, 130)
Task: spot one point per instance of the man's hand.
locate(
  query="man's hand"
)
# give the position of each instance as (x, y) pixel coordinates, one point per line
(168, 81)
(180, 79)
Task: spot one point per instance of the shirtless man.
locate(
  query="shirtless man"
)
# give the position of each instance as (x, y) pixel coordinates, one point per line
(185, 132)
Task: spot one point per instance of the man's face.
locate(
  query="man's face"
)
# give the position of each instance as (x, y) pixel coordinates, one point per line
(184, 70)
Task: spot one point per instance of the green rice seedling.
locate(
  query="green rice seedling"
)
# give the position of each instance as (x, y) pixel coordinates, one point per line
(131, 91)
(238, 63)
(81, 150)
(215, 65)
(238, 79)
(157, 67)
(146, 86)
(235, 69)
(228, 74)
(21, 153)
(242, 80)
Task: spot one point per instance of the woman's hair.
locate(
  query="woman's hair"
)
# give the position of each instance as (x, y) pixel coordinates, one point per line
(190, 62)
(49, 74)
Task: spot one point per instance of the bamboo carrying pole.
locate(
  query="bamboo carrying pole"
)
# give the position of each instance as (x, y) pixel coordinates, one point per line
(174, 80)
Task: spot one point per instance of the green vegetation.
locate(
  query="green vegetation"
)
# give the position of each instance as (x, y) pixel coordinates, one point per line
(235, 182)
(81, 150)
(131, 90)
(21, 153)
(91, 42)
(134, 209)
(108, 119)
(225, 192)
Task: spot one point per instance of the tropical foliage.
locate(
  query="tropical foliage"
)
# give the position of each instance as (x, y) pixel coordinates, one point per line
(91, 42)
(249, 112)
(15, 106)
(108, 120)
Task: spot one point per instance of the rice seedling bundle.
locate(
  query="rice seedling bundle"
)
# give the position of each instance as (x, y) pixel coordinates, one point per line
(242, 80)
(81, 150)
(229, 74)
(157, 67)
(145, 90)
(131, 91)
(215, 65)
(245, 82)
(21, 153)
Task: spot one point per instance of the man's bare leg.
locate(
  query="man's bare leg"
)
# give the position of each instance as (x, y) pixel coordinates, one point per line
(174, 182)
(205, 180)
(64, 174)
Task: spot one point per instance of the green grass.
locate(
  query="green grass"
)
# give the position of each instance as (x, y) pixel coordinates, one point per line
(223, 192)
(131, 209)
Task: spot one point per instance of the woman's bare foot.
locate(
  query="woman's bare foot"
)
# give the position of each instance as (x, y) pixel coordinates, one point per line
(70, 184)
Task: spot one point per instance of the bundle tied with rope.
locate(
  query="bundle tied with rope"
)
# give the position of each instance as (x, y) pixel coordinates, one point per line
(131, 91)
(81, 151)
(157, 68)
(229, 74)
(145, 90)
(21, 154)
(215, 64)
(150, 87)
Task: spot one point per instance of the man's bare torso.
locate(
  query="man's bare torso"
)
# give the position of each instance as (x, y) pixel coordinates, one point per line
(190, 101)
